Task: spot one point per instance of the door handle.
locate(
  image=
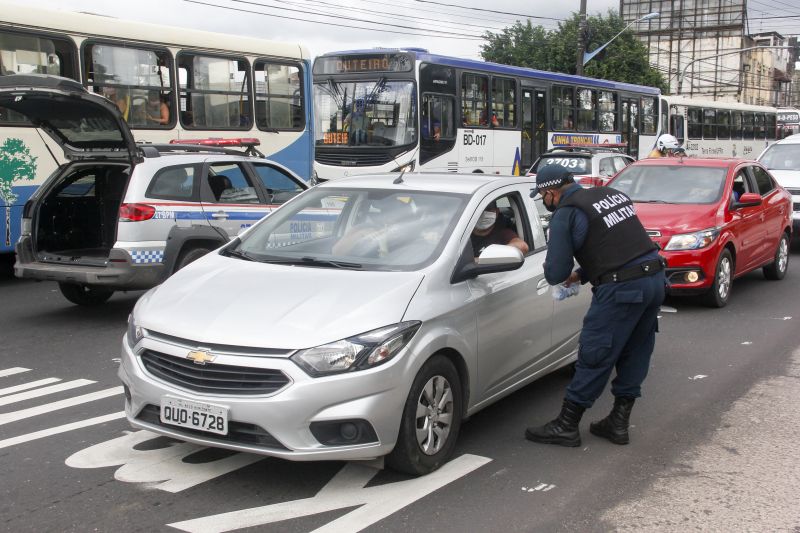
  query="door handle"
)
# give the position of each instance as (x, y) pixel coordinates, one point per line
(219, 215)
(542, 284)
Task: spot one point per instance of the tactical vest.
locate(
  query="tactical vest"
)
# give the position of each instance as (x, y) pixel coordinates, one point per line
(615, 237)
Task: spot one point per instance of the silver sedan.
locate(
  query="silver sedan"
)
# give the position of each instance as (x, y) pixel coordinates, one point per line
(357, 321)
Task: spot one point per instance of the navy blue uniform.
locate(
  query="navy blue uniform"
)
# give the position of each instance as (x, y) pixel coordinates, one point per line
(619, 328)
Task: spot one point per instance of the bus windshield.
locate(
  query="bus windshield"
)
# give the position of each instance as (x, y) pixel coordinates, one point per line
(365, 113)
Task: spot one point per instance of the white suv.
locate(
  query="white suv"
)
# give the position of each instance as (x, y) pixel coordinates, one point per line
(122, 216)
(783, 161)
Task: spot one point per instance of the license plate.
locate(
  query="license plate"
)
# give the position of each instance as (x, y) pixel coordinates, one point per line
(194, 415)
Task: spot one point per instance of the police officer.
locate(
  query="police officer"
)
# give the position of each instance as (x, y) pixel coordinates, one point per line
(599, 228)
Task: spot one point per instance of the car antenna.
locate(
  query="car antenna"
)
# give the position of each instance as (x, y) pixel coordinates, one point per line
(399, 179)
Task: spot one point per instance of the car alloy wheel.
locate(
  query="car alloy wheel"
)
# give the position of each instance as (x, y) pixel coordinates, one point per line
(777, 269)
(431, 419)
(724, 275)
(434, 415)
(720, 290)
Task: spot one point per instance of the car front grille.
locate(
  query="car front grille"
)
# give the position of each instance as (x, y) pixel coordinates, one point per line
(352, 158)
(213, 378)
(795, 192)
(238, 432)
(796, 206)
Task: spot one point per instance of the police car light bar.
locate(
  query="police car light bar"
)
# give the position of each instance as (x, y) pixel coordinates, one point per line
(236, 142)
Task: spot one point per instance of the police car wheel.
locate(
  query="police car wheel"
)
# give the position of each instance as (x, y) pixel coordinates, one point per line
(85, 295)
(720, 291)
(777, 269)
(190, 256)
(431, 419)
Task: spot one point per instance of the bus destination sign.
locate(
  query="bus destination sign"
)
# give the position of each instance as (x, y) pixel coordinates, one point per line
(790, 117)
(356, 64)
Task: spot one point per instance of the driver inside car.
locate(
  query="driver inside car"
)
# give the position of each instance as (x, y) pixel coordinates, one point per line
(493, 228)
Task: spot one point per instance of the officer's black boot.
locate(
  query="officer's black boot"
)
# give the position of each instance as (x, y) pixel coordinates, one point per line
(563, 430)
(614, 427)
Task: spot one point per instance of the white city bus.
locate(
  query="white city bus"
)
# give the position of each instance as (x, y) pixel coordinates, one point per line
(719, 129)
(169, 83)
(386, 109)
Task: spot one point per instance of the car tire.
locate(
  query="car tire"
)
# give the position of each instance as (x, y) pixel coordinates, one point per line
(190, 256)
(419, 452)
(720, 291)
(84, 294)
(777, 269)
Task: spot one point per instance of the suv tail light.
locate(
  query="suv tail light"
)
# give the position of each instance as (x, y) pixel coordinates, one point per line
(136, 212)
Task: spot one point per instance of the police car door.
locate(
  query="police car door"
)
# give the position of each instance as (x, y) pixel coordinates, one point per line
(514, 310)
(231, 199)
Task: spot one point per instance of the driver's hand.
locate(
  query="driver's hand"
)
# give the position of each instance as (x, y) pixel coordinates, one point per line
(573, 278)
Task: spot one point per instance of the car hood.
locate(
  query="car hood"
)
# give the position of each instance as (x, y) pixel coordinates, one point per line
(789, 179)
(672, 219)
(226, 301)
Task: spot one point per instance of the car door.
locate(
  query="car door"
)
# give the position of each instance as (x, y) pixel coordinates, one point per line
(773, 208)
(514, 309)
(279, 185)
(747, 222)
(231, 200)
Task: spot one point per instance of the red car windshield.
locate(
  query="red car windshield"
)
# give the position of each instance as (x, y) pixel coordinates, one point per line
(672, 184)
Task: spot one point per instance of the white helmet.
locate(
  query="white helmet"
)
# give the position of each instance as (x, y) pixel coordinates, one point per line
(667, 142)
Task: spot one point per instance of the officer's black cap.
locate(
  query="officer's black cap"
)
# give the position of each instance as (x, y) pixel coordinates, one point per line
(550, 177)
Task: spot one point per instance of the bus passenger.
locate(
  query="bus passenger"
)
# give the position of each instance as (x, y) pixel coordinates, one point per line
(157, 109)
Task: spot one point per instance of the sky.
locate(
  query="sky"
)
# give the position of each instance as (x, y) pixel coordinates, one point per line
(458, 26)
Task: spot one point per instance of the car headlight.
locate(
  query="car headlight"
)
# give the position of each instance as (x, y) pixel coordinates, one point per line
(135, 333)
(692, 241)
(363, 351)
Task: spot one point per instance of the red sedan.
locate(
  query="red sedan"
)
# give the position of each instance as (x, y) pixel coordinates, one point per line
(714, 220)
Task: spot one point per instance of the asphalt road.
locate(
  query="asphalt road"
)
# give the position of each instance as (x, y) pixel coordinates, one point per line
(713, 443)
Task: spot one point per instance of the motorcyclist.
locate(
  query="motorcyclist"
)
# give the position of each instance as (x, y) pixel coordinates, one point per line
(667, 146)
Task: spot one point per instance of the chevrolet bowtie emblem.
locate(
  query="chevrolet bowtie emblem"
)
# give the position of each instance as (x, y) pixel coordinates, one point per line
(201, 357)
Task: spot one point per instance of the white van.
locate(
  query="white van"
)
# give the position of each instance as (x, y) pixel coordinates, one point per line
(783, 161)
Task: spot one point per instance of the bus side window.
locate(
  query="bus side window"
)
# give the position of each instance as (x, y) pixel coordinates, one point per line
(676, 127)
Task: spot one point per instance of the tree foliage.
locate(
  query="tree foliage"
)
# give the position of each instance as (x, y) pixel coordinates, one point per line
(16, 164)
(624, 60)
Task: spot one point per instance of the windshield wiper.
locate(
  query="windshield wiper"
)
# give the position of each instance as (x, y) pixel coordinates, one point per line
(239, 254)
(313, 261)
(652, 202)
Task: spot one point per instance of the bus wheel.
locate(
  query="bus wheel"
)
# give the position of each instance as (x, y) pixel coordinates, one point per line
(84, 294)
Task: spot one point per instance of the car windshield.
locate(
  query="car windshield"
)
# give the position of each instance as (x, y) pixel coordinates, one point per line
(782, 157)
(365, 113)
(671, 184)
(578, 165)
(369, 229)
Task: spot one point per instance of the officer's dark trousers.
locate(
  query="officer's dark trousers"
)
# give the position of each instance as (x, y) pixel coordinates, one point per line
(619, 332)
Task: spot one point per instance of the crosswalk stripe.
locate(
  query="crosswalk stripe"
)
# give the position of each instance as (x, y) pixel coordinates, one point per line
(13, 416)
(44, 391)
(5, 443)
(29, 385)
(12, 371)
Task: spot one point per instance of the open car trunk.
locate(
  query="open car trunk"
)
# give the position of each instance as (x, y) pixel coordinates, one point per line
(76, 219)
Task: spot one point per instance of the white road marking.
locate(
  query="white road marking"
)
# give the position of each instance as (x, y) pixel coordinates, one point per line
(668, 309)
(544, 487)
(12, 371)
(5, 443)
(13, 416)
(44, 391)
(29, 385)
(346, 489)
(747, 343)
(163, 466)
(698, 376)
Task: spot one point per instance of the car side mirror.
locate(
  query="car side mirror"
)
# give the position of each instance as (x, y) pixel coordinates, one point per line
(748, 199)
(494, 258)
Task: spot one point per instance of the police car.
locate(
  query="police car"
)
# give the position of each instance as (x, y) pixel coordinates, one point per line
(122, 216)
(593, 165)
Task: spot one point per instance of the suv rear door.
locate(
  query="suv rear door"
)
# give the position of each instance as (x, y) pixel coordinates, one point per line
(85, 125)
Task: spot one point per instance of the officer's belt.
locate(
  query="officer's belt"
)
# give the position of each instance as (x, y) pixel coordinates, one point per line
(637, 271)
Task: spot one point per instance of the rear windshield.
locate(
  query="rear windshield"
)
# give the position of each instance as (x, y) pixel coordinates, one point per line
(782, 157)
(671, 184)
(578, 165)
